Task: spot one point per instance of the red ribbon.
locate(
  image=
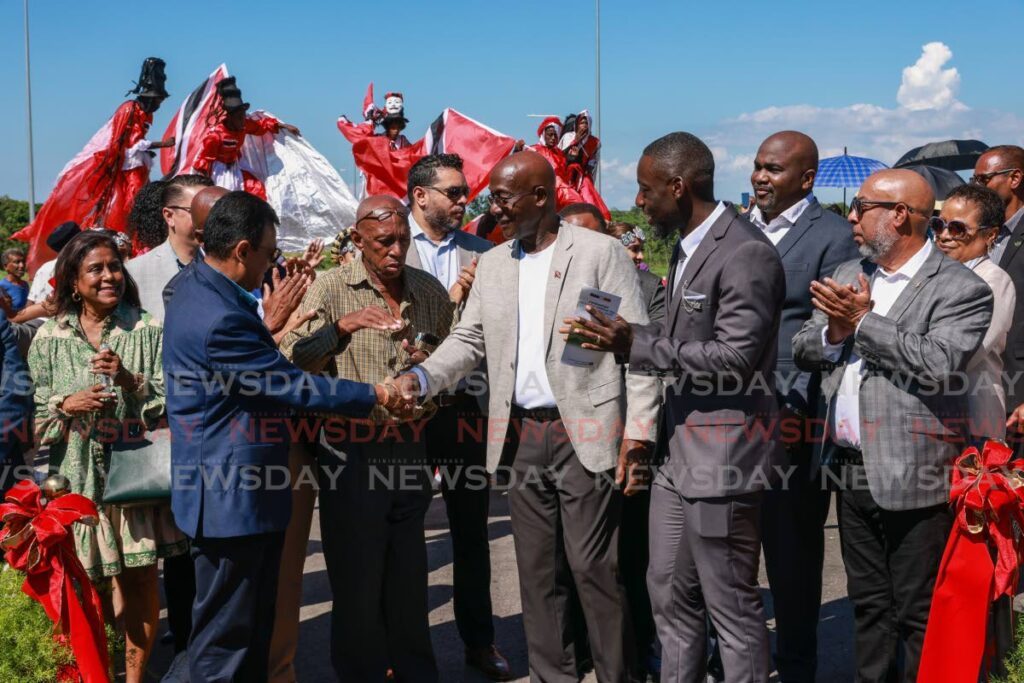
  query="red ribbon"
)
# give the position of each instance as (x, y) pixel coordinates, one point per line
(36, 539)
(988, 495)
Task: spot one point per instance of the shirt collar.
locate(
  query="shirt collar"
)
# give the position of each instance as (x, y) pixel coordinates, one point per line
(417, 233)
(975, 262)
(909, 269)
(786, 219)
(1014, 221)
(356, 276)
(690, 242)
(244, 297)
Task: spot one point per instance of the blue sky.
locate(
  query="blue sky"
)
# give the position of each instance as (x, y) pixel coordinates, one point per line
(731, 72)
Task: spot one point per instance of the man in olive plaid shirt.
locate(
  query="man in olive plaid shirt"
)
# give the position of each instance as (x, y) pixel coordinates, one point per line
(375, 484)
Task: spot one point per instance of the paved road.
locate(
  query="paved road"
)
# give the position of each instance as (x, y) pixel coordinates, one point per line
(313, 665)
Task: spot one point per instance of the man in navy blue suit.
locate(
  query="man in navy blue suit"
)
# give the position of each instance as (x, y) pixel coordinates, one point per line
(231, 396)
(812, 242)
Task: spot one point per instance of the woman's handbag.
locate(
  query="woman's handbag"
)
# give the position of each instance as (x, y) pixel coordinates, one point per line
(140, 468)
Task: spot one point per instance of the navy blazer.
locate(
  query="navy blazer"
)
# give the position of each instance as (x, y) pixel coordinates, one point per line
(230, 394)
(811, 250)
(16, 408)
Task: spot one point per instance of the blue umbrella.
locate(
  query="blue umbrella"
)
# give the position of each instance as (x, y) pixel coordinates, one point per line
(845, 171)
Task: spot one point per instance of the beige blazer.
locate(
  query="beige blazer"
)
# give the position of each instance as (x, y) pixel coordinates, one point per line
(986, 397)
(596, 404)
(151, 272)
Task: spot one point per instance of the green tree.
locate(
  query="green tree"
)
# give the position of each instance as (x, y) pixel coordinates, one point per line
(657, 251)
(13, 217)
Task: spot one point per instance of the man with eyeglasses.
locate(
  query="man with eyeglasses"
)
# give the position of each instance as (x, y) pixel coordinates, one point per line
(437, 199)
(558, 430)
(888, 333)
(812, 243)
(372, 315)
(1001, 168)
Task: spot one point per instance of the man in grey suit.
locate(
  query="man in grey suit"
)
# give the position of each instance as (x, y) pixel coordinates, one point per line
(811, 242)
(567, 427)
(438, 195)
(888, 332)
(156, 268)
(726, 288)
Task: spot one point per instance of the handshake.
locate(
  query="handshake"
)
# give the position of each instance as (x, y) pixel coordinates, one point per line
(399, 396)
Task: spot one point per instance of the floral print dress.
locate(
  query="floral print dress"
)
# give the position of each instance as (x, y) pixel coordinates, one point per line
(59, 359)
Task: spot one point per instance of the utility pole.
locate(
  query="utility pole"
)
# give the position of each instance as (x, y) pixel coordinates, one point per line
(28, 110)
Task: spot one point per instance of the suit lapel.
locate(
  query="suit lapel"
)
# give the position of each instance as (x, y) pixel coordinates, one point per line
(803, 224)
(913, 288)
(465, 255)
(556, 279)
(1014, 242)
(693, 263)
(412, 257)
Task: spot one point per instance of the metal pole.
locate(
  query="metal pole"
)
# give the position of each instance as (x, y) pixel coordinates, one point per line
(597, 82)
(28, 110)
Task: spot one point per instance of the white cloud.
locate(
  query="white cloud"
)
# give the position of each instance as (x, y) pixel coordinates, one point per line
(926, 85)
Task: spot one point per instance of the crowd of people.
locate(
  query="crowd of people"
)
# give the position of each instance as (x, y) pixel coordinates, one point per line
(790, 358)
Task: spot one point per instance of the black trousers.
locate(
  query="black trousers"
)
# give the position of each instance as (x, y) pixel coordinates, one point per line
(892, 559)
(563, 512)
(374, 494)
(179, 594)
(233, 614)
(457, 444)
(793, 538)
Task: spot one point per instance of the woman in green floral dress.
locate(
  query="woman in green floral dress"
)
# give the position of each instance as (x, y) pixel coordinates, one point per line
(83, 395)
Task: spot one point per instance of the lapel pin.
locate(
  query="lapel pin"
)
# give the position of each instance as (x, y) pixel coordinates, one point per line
(1018, 243)
(558, 275)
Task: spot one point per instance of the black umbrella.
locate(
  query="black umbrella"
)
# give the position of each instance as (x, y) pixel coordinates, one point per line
(953, 155)
(943, 181)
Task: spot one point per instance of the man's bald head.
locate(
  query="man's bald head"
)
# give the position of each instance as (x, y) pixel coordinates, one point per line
(202, 202)
(903, 186)
(890, 223)
(784, 171)
(523, 195)
(382, 235)
(1001, 168)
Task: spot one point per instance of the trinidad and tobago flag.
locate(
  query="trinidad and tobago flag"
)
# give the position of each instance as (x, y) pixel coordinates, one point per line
(189, 124)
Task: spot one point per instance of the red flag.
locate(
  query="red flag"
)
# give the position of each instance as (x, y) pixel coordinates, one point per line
(189, 125)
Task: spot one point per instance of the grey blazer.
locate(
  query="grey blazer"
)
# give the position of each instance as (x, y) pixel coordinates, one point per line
(594, 401)
(468, 246)
(912, 415)
(721, 411)
(152, 272)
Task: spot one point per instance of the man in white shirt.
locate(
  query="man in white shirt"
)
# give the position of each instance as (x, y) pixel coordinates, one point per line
(811, 242)
(561, 429)
(889, 332)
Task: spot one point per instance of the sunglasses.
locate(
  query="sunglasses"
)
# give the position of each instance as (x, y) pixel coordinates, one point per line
(861, 205)
(383, 215)
(986, 178)
(503, 201)
(958, 230)
(453, 194)
(636, 234)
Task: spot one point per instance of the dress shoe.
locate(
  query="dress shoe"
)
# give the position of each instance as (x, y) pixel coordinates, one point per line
(489, 662)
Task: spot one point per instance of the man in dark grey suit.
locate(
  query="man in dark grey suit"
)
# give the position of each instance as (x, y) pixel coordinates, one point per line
(889, 332)
(437, 200)
(726, 288)
(811, 242)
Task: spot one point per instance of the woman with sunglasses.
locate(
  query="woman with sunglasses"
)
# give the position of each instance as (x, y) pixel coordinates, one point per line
(965, 230)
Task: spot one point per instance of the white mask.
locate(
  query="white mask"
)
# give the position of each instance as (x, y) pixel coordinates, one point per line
(393, 105)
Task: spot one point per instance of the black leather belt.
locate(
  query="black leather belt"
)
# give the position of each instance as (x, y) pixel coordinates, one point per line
(538, 414)
(848, 456)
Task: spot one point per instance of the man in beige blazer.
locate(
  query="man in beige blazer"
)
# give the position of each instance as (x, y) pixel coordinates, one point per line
(556, 429)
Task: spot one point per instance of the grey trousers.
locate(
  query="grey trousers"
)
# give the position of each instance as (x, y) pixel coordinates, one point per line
(558, 506)
(704, 562)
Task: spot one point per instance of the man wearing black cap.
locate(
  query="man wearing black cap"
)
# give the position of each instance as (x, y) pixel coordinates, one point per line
(41, 288)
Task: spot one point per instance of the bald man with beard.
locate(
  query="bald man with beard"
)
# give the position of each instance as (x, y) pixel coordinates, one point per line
(556, 429)
(887, 333)
(811, 242)
(375, 482)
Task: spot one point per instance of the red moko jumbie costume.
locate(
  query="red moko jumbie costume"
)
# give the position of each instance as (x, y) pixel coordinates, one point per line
(220, 156)
(98, 186)
(571, 184)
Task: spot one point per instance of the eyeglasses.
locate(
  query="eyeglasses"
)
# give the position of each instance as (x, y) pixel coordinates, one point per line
(958, 230)
(861, 205)
(504, 201)
(186, 209)
(453, 194)
(384, 215)
(986, 178)
(636, 234)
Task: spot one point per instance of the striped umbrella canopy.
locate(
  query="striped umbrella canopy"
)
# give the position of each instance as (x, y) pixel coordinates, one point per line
(845, 171)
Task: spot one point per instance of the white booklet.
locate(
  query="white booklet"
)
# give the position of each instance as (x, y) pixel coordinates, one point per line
(608, 305)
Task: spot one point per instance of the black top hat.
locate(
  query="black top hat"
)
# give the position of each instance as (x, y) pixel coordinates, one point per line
(61, 235)
(151, 79)
(391, 118)
(230, 95)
